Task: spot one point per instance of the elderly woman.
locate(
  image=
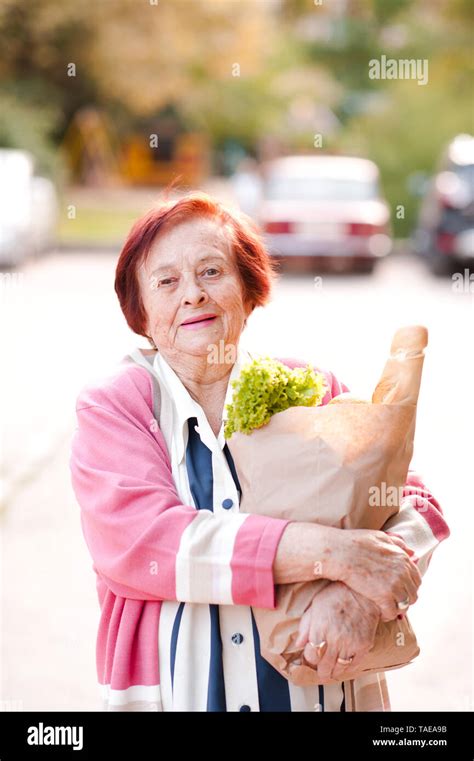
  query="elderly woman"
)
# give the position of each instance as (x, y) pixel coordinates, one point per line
(178, 567)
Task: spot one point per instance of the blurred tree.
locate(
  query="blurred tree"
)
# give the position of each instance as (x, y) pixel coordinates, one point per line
(39, 43)
(135, 57)
(246, 71)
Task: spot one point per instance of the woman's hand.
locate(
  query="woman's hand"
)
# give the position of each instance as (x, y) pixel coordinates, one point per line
(376, 566)
(346, 622)
(372, 563)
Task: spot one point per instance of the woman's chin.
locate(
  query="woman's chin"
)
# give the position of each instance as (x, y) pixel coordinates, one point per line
(200, 344)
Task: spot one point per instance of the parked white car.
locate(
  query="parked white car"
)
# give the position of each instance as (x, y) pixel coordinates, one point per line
(28, 209)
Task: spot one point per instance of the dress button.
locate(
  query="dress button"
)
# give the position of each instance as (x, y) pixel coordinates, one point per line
(245, 708)
(237, 638)
(227, 504)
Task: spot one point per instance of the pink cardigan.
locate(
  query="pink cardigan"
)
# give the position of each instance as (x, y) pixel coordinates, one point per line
(132, 518)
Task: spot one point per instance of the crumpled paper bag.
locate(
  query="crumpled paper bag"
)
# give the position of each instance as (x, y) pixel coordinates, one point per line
(321, 464)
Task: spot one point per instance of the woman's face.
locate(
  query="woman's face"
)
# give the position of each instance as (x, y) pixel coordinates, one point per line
(191, 273)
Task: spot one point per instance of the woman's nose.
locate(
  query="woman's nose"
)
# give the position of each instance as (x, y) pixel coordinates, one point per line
(193, 294)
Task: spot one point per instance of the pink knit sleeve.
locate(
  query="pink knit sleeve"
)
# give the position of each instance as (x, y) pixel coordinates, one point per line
(419, 522)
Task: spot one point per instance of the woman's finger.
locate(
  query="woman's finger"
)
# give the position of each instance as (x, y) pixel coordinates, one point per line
(317, 641)
(341, 668)
(314, 651)
(407, 591)
(310, 655)
(411, 592)
(415, 574)
(400, 543)
(327, 663)
(388, 609)
(342, 671)
(303, 629)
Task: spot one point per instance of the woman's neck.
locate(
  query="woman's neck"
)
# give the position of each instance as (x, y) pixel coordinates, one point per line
(205, 392)
(206, 383)
(211, 398)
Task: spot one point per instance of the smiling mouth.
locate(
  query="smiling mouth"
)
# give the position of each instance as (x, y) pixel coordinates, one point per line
(197, 323)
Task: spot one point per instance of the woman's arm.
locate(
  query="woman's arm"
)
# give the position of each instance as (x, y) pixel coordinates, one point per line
(147, 545)
(421, 525)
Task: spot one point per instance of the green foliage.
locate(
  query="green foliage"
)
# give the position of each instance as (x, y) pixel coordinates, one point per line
(407, 137)
(386, 10)
(265, 387)
(39, 40)
(242, 108)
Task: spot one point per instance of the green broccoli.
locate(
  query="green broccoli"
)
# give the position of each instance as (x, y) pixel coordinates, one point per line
(265, 387)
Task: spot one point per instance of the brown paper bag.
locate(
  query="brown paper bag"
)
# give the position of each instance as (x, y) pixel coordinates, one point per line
(329, 464)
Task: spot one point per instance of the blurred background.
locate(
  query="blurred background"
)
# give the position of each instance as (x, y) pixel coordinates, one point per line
(344, 128)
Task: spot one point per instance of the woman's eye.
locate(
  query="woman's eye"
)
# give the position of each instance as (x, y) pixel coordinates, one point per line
(166, 281)
(211, 272)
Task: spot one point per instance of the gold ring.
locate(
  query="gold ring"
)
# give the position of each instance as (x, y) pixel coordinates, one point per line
(403, 604)
(320, 648)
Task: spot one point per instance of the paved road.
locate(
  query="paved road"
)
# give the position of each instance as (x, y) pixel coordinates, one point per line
(64, 328)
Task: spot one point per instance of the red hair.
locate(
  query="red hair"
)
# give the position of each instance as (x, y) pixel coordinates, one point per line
(255, 267)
